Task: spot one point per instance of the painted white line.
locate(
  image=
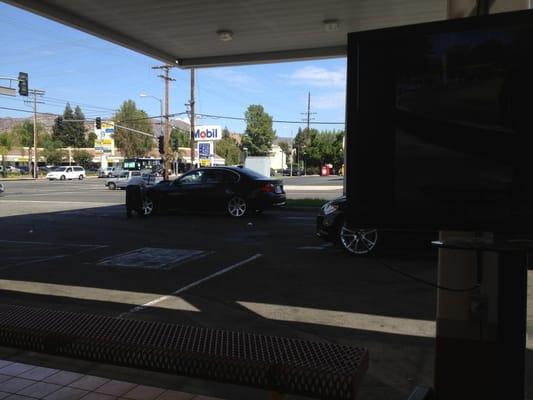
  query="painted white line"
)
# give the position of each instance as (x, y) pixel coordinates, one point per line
(91, 293)
(311, 248)
(191, 285)
(54, 244)
(34, 261)
(343, 319)
(60, 202)
(312, 187)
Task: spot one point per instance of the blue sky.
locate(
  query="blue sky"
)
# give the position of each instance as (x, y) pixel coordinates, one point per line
(99, 76)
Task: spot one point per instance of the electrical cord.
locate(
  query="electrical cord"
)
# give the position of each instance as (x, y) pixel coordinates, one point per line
(425, 282)
(421, 280)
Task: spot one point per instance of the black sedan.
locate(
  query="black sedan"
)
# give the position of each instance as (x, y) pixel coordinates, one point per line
(331, 226)
(236, 191)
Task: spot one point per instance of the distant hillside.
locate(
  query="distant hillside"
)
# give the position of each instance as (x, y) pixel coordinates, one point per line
(8, 123)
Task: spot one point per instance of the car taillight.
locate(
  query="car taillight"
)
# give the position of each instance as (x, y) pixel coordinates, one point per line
(267, 188)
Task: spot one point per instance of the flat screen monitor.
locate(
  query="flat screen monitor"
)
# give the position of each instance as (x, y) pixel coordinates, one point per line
(440, 125)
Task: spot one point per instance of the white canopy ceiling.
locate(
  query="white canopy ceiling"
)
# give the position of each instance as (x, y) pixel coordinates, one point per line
(185, 31)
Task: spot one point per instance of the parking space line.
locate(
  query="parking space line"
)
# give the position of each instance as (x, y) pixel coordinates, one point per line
(191, 285)
(54, 244)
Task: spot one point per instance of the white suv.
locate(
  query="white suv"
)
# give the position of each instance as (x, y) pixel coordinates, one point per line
(68, 172)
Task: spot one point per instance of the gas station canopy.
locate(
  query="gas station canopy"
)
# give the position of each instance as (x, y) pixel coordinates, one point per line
(224, 32)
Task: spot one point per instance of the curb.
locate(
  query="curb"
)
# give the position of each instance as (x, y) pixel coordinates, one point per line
(300, 209)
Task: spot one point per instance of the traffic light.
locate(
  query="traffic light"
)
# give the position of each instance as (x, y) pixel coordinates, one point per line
(98, 122)
(161, 145)
(175, 145)
(23, 83)
(60, 122)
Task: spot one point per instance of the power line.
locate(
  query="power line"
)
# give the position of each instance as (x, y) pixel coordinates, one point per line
(274, 120)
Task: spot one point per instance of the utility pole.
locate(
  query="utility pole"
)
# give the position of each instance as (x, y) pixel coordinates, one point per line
(166, 135)
(308, 119)
(192, 102)
(35, 93)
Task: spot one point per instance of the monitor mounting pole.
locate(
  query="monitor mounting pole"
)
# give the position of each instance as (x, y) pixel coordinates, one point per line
(480, 335)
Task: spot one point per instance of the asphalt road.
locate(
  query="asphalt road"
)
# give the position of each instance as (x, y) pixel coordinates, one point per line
(69, 246)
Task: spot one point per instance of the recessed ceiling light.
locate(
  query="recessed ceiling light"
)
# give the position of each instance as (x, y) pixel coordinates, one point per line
(225, 35)
(331, 25)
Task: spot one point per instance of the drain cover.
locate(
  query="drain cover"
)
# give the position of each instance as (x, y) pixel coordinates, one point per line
(152, 258)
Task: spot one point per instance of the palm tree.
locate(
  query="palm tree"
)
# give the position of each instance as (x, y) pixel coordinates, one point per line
(7, 141)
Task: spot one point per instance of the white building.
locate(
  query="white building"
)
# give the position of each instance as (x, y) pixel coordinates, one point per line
(278, 159)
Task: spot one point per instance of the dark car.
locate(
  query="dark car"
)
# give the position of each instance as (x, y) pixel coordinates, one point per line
(2, 188)
(236, 191)
(331, 226)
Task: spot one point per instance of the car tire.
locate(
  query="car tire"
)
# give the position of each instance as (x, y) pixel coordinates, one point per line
(80, 177)
(62, 178)
(148, 206)
(237, 207)
(112, 186)
(357, 242)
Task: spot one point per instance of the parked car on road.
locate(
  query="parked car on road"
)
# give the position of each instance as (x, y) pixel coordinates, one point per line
(121, 181)
(236, 191)
(67, 172)
(294, 172)
(108, 172)
(331, 226)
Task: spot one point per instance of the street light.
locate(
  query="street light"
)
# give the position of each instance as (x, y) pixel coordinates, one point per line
(160, 110)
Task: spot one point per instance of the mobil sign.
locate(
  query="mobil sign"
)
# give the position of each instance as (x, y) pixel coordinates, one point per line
(208, 133)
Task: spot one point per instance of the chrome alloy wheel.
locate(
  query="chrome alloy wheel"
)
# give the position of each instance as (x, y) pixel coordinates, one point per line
(358, 241)
(237, 206)
(148, 206)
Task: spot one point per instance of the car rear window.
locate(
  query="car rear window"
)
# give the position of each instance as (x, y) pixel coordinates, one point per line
(252, 174)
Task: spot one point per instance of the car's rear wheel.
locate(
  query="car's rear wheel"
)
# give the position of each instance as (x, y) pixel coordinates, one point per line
(63, 177)
(237, 207)
(357, 241)
(148, 206)
(112, 186)
(80, 177)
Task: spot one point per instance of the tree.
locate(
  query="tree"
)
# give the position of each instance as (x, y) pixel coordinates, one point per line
(179, 138)
(71, 132)
(259, 134)
(78, 129)
(302, 141)
(228, 148)
(130, 143)
(24, 133)
(82, 157)
(52, 151)
(286, 148)
(7, 142)
(91, 137)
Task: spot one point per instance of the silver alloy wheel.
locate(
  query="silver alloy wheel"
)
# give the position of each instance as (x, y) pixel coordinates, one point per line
(112, 186)
(358, 241)
(63, 177)
(237, 206)
(80, 177)
(148, 206)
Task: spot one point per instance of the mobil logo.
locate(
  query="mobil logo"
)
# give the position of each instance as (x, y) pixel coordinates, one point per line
(208, 132)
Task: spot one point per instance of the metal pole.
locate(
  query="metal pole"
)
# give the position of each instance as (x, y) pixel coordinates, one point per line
(167, 133)
(192, 117)
(35, 155)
